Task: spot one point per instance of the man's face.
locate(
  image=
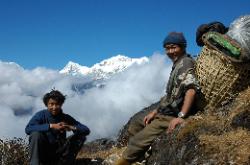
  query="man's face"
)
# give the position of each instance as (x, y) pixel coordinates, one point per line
(174, 51)
(54, 107)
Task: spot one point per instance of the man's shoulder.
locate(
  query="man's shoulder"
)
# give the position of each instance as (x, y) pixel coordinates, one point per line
(188, 57)
(188, 61)
(68, 118)
(41, 112)
(67, 115)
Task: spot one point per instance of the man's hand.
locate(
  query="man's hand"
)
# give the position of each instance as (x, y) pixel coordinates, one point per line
(58, 126)
(69, 127)
(173, 123)
(147, 119)
(62, 126)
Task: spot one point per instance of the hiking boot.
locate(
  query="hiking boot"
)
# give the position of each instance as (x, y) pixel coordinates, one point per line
(122, 161)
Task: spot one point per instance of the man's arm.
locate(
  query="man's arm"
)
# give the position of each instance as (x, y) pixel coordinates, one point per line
(147, 119)
(187, 104)
(35, 125)
(188, 101)
(76, 126)
(79, 127)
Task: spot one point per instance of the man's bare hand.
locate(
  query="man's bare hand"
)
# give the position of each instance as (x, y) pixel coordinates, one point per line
(62, 126)
(69, 127)
(173, 123)
(58, 126)
(147, 119)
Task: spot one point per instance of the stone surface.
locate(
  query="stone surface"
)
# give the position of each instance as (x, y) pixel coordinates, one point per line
(123, 135)
(242, 120)
(208, 138)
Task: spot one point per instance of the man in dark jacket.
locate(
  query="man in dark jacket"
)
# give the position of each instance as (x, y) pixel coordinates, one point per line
(174, 107)
(47, 129)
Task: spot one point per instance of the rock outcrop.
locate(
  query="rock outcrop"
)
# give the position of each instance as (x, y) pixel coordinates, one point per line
(203, 140)
(220, 136)
(94, 153)
(209, 137)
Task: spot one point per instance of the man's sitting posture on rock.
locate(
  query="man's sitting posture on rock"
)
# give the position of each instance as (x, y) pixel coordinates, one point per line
(176, 105)
(47, 130)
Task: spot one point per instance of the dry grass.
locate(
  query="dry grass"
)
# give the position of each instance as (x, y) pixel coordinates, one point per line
(233, 146)
(14, 151)
(218, 139)
(202, 124)
(241, 103)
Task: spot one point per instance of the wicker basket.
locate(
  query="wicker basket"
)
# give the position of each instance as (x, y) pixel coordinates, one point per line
(220, 77)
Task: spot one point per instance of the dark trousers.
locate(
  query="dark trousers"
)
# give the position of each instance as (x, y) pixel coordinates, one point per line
(42, 152)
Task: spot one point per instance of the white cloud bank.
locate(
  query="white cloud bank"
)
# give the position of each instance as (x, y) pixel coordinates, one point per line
(103, 110)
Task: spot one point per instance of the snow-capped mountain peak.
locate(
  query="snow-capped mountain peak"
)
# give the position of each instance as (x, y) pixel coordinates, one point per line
(117, 64)
(105, 68)
(75, 69)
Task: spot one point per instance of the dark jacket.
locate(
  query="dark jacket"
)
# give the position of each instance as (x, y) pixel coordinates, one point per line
(41, 120)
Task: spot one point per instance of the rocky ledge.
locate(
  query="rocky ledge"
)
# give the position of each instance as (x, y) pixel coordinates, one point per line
(214, 136)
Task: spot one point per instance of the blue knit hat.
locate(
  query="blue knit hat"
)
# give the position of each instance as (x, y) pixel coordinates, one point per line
(175, 38)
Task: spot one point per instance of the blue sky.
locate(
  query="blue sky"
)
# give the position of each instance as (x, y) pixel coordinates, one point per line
(49, 33)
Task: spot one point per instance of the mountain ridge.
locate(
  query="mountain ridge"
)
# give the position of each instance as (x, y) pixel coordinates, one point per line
(104, 69)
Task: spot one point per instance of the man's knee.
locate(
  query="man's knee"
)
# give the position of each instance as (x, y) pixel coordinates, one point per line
(36, 136)
(80, 140)
(76, 140)
(136, 125)
(133, 129)
(79, 136)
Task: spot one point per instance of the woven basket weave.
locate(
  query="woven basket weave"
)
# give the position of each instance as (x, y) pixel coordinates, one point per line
(220, 78)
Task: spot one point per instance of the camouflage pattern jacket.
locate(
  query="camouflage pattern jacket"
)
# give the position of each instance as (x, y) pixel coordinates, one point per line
(181, 79)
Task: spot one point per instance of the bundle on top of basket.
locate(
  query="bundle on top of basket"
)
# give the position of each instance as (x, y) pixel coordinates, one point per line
(222, 69)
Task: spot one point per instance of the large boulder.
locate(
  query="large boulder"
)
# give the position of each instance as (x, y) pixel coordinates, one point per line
(94, 152)
(123, 135)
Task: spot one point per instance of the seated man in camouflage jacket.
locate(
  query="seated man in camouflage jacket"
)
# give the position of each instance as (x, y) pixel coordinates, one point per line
(176, 105)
